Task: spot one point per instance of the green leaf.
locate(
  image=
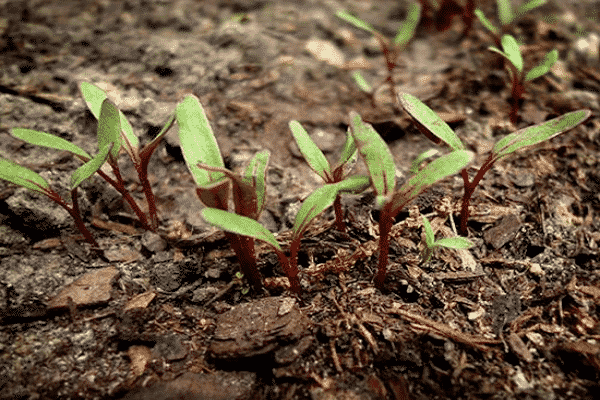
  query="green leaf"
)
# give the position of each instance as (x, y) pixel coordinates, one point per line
(348, 156)
(430, 120)
(94, 96)
(323, 197)
(198, 143)
(409, 26)
(47, 140)
(150, 147)
(436, 170)
(486, 22)
(357, 22)
(376, 154)
(429, 235)
(505, 13)
(538, 133)
(414, 166)
(512, 52)
(239, 225)
(530, 5)
(109, 128)
(549, 59)
(454, 243)
(89, 168)
(14, 173)
(312, 154)
(361, 82)
(256, 176)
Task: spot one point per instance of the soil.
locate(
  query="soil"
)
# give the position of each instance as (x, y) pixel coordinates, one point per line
(164, 315)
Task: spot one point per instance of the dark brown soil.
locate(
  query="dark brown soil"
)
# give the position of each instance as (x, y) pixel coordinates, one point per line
(164, 316)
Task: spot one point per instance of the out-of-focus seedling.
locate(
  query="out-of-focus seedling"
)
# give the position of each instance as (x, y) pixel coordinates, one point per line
(506, 16)
(391, 48)
(428, 121)
(318, 162)
(124, 137)
(518, 77)
(203, 158)
(108, 133)
(449, 243)
(380, 163)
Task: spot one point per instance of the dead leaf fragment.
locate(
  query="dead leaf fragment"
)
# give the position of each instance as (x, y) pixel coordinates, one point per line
(91, 289)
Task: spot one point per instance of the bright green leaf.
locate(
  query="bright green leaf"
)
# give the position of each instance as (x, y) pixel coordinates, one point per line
(512, 52)
(89, 168)
(312, 154)
(436, 170)
(361, 82)
(454, 243)
(538, 133)
(109, 128)
(239, 225)
(357, 22)
(47, 140)
(505, 12)
(198, 143)
(14, 173)
(348, 156)
(486, 22)
(549, 60)
(94, 96)
(409, 26)
(430, 120)
(255, 175)
(414, 166)
(429, 235)
(530, 5)
(377, 155)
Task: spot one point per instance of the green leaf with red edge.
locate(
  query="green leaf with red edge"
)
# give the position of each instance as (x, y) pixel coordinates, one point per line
(312, 154)
(50, 141)
(538, 133)
(376, 154)
(430, 120)
(198, 142)
(19, 175)
(436, 170)
(239, 225)
(91, 167)
(109, 128)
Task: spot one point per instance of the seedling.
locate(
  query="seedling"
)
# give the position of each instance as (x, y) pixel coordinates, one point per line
(203, 158)
(380, 163)
(391, 48)
(108, 133)
(434, 127)
(318, 162)
(449, 243)
(512, 53)
(124, 136)
(506, 16)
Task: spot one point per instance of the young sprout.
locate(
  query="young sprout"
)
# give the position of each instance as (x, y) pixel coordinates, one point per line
(108, 130)
(506, 16)
(94, 98)
(318, 162)
(428, 120)
(391, 49)
(449, 243)
(512, 53)
(203, 158)
(380, 164)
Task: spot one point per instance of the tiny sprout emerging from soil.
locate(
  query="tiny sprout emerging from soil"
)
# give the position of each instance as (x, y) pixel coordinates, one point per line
(512, 53)
(506, 16)
(203, 158)
(391, 48)
(380, 163)
(108, 133)
(450, 243)
(318, 162)
(437, 130)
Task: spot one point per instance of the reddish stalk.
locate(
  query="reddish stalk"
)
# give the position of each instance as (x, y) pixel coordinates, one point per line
(339, 214)
(385, 227)
(469, 187)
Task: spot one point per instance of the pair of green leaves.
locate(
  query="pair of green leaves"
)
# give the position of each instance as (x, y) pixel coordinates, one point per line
(506, 14)
(510, 51)
(449, 243)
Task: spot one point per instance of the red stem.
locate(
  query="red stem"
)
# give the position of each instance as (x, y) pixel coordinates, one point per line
(244, 250)
(290, 267)
(385, 226)
(339, 215)
(469, 188)
(142, 171)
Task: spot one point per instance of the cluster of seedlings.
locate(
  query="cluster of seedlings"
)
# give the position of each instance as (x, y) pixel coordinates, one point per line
(217, 186)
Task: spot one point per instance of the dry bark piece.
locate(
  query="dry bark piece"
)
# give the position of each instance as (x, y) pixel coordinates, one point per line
(504, 232)
(92, 288)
